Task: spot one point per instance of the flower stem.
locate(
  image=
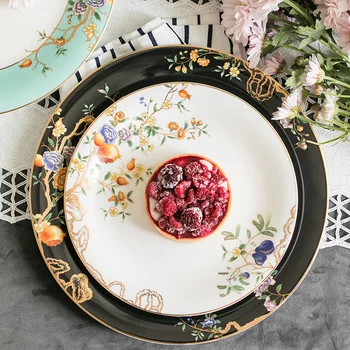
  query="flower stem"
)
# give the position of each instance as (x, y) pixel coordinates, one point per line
(336, 81)
(299, 9)
(342, 136)
(279, 19)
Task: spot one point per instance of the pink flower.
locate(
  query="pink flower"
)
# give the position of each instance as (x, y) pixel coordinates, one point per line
(268, 6)
(238, 19)
(291, 107)
(256, 44)
(344, 35)
(274, 64)
(313, 72)
(264, 286)
(270, 305)
(331, 12)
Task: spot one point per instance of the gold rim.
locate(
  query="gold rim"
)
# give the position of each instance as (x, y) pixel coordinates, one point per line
(253, 323)
(58, 86)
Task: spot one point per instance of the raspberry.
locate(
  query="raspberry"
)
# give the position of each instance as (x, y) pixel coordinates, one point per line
(222, 195)
(201, 194)
(167, 206)
(168, 194)
(153, 189)
(180, 203)
(181, 188)
(177, 225)
(171, 175)
(192, 169)
(163, 222)
(200, 232)
(191, 218)
(217, 177)
(201, 180)
(204, 204)
(190, 196)
(170, 229)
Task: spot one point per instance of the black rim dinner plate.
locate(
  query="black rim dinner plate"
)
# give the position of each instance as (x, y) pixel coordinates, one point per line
(126, 75)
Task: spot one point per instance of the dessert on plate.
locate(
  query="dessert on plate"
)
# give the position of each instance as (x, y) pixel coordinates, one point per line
(187, 198)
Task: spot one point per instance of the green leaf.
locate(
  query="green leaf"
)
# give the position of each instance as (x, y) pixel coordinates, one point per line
(257, 225)
(155, 107)
(223, 256)
(190, 65)
(244, 282)
(296, 78)
(249, 234)
(97, 16)
(71, 2)
(274, 273)
(163, 140)
(284, 35)
(232, 259)
(179, 324)
(221, 287)
(262, 297)
(270, 228)
(267, 233)
(98, 166)
(128, 176)
(51, 143)
(48, 217)
(268, 219)
(223, 273)
(183, 327)
(305, 42)
(238, 229)
(238, 288)
(186, 125)
(130, 143)
(211, 335)
(107, 176)
(224, 249)
(80, 17)
(261, 220)
(278, 288)
(242, 246)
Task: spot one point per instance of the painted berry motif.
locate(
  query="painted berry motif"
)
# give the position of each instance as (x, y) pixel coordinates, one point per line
(188, 204)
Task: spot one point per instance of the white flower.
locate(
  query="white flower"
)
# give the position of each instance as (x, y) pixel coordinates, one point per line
(291, 106)
(274, 64)
(314, 73)
(256, 44)
(270, 305)
(329, 106)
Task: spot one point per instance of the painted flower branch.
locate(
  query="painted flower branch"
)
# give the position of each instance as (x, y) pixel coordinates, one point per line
(54, 161)
(82, 12)
(252, 256)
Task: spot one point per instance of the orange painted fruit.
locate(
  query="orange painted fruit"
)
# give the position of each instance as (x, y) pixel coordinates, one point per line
(121, 181)
(38, 160)
(26, 63)
(108, 153)
(98, 139)
(184, 94)
(52, 236)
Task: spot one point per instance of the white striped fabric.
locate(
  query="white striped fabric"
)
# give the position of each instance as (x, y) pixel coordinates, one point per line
(203, 30)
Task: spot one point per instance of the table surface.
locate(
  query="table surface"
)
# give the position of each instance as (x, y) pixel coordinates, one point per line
(36, 314)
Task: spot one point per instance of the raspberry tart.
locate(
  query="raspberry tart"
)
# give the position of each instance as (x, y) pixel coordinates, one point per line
(187, 198)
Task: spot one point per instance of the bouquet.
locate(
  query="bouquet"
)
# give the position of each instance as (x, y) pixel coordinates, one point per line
(306, 45)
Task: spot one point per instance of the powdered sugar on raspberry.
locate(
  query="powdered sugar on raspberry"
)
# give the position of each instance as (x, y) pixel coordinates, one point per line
(191, 196)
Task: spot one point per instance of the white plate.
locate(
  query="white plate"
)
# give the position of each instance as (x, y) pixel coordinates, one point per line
(126, 254)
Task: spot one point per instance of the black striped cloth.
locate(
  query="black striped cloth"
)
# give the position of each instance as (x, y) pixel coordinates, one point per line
(201, 30)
